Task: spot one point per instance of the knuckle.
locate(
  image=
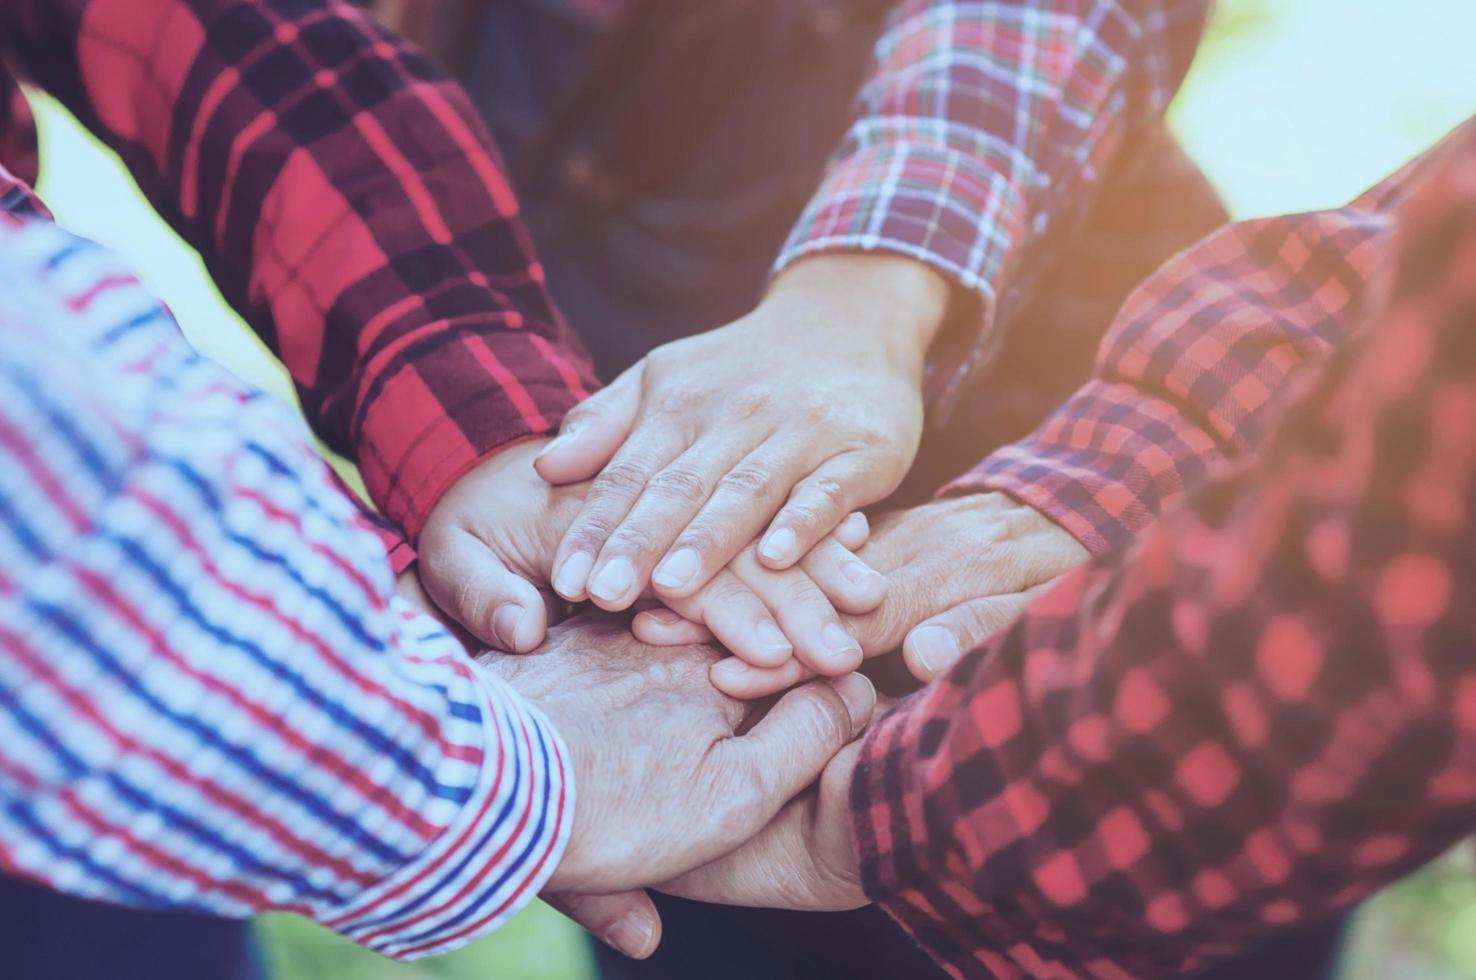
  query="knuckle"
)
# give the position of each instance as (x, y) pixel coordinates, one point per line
(633, 539)
(677, 401)
(750, 403)
(705, 537)
(749, 481)
(680, 484)
(622, 479)
(803, 591)
(815, 409)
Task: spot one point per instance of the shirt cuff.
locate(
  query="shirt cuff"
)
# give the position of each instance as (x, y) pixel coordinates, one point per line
(1104, 466)
(460, 402)
(494, 858)
(931, 201)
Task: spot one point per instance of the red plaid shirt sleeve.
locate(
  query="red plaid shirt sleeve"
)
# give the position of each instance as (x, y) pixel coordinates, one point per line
(1262, 712)
(1188, 376)
(983, 127)
(347, 200)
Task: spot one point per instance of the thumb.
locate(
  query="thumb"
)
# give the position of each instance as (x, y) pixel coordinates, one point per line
(592, 431)
(627, 922)
(790, 746)
(474, 587)
(933, 646)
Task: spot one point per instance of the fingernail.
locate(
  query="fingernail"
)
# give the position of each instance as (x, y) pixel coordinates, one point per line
(840, 643)
(859, 695)
(679, 569)
(935, 648)
(859, 573)
(569, 582)
(665, 617)
(614, 580)
(731, 670)
(856, 522)
(772, 640)
(780, 545)
(505, 623)
(559, 440)
(632, 935)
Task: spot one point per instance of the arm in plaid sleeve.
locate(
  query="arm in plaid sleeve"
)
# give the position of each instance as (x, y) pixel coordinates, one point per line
(985, 124)
(209, 699)
(1264, 711)
(1189, 375)
(346, 199)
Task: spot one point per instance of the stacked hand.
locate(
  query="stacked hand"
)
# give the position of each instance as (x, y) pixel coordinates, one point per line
(958, 571)
(692, 453)
(665, 782)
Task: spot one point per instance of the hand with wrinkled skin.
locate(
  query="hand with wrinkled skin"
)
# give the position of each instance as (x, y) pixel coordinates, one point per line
(805, 859)
(958, 570)
(808, 408)
(663, 781)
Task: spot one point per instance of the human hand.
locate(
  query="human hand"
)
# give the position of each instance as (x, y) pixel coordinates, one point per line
(805, 859)
(664, 781)
(765, 617)
(958, 570)
(807, 409)
(489, 538)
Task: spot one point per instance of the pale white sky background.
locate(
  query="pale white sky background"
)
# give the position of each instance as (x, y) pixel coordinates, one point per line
(1293, 104)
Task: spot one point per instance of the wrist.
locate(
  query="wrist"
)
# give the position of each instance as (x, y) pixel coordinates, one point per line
(894, 303)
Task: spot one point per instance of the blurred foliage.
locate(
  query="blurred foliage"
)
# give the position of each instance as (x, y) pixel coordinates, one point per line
(539, 944)
(1292, 104)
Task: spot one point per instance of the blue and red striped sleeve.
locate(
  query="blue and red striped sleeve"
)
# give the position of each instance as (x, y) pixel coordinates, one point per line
(210, 698)
(347, 200)
(982, 132)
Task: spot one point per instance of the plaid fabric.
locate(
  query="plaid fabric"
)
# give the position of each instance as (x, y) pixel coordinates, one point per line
(984, 128)
(1188, 377)
(209, 697)
(346, 200)
(1260, 713)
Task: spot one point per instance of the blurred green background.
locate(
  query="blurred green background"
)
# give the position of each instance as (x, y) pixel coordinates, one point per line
(1292, 105)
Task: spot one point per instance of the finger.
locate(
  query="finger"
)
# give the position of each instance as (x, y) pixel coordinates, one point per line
(933, 646)
(474, 587)
(627, 922)
(854, 531)
(593, 431)
(741, 680)
(804, 614)
(738, 619)
(747, 496)
(851, 585)
(609, 499)
(803, 859)
(666, 506)
(788, 749)
(818, 504)
(664, 628)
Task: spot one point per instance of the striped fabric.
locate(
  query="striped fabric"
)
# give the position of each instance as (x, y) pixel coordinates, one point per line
(209, 698)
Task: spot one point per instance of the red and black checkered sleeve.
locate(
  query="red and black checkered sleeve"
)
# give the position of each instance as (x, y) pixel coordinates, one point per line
(1260, 713)
(347, 200)
(1189, 376)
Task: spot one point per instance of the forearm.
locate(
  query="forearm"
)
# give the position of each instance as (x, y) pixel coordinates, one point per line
(1173, 753)
(1194, 371)
(210, 699)
(938, 165)
(348, 202)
